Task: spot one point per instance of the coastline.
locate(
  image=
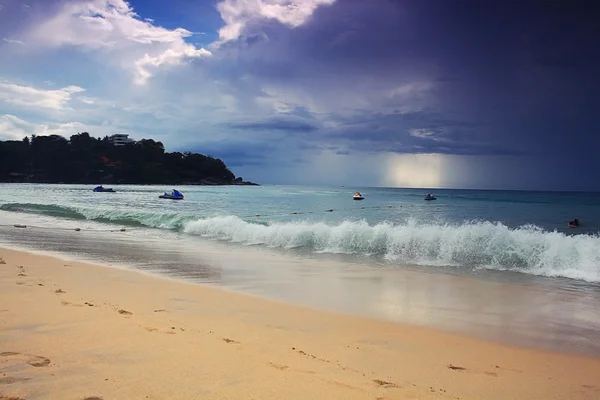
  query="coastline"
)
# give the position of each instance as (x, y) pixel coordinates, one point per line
(200, 183)
(74, 330)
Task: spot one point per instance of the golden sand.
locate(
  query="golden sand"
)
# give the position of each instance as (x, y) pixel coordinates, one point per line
(78, 331)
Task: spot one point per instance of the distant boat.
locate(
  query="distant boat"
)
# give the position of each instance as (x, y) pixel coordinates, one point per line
(357, 196)
(429, 197)
(174, 195)
(103, 189)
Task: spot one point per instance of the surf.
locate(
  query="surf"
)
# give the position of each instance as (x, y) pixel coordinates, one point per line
(164, 220)
(472, 245)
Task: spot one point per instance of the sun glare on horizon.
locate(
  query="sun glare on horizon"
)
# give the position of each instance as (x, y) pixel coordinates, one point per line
(415, 170)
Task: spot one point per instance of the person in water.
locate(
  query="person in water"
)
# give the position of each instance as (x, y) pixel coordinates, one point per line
(575, 222)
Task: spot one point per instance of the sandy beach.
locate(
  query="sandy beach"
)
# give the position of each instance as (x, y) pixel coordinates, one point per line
(72, 330)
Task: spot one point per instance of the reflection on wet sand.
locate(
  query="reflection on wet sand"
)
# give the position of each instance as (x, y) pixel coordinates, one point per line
(557, 314)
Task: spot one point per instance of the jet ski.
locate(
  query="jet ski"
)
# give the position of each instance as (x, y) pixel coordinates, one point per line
(429, 197)
(357, 196)
(103, 189)
(174, 195)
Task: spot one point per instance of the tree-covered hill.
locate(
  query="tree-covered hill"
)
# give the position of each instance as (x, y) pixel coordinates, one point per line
(85, 159)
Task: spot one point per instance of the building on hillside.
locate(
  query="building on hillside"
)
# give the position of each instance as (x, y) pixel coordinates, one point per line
(120, 139)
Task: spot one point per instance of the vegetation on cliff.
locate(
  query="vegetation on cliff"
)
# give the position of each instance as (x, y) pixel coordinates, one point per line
(85, 159)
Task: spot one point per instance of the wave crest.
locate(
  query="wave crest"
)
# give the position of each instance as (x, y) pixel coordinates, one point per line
(473, 245)
(114, 216)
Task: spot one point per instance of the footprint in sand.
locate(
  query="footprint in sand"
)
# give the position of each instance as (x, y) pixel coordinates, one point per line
(279, 367)
(286, 368)
(10, 398)
(386, 384)
(34, 361)
(461, 369)
(150, 329)
(39, 361)
(7, 380)
(591, 387)
(226, 340)
(93, 398)
(456, 368)
(68, 303)
(125, 312)
(508, 369)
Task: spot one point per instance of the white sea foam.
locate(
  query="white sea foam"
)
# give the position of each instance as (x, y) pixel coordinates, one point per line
(471, 245)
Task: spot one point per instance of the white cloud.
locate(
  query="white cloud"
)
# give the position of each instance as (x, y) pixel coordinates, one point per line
(428, 134)
(422, 133)
(14, 41)
(169, 57)
(238, 13)
(410, 89)
(29, 96)
(65, 129)
(102, 23)
(87, 100)
(14, 128)
(114, 29)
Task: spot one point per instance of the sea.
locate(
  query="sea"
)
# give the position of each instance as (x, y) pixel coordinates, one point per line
(494, 264)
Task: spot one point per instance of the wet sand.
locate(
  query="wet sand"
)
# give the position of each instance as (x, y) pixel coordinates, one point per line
(515, 309)
(71, 330)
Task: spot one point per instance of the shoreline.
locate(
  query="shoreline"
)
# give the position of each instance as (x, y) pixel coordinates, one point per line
(535, 312)
(244, 183)
(73, 330)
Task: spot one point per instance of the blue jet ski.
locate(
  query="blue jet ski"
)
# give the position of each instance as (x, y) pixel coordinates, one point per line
(103, 189)
(174, 195)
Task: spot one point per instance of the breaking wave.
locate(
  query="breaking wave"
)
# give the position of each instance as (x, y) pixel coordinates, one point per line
(528, 249)
(113, 216)
(472, 245)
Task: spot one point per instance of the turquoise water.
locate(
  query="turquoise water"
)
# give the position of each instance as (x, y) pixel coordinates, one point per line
(468, 230)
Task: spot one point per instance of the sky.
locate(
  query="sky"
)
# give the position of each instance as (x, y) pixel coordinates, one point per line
(468, 94)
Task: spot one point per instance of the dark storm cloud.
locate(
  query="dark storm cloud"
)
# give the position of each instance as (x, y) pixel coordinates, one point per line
(506, 77)
(235, 154)
(256, 153)
(525, 69)
(351, 37)
(275, 124)
(416, 132)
